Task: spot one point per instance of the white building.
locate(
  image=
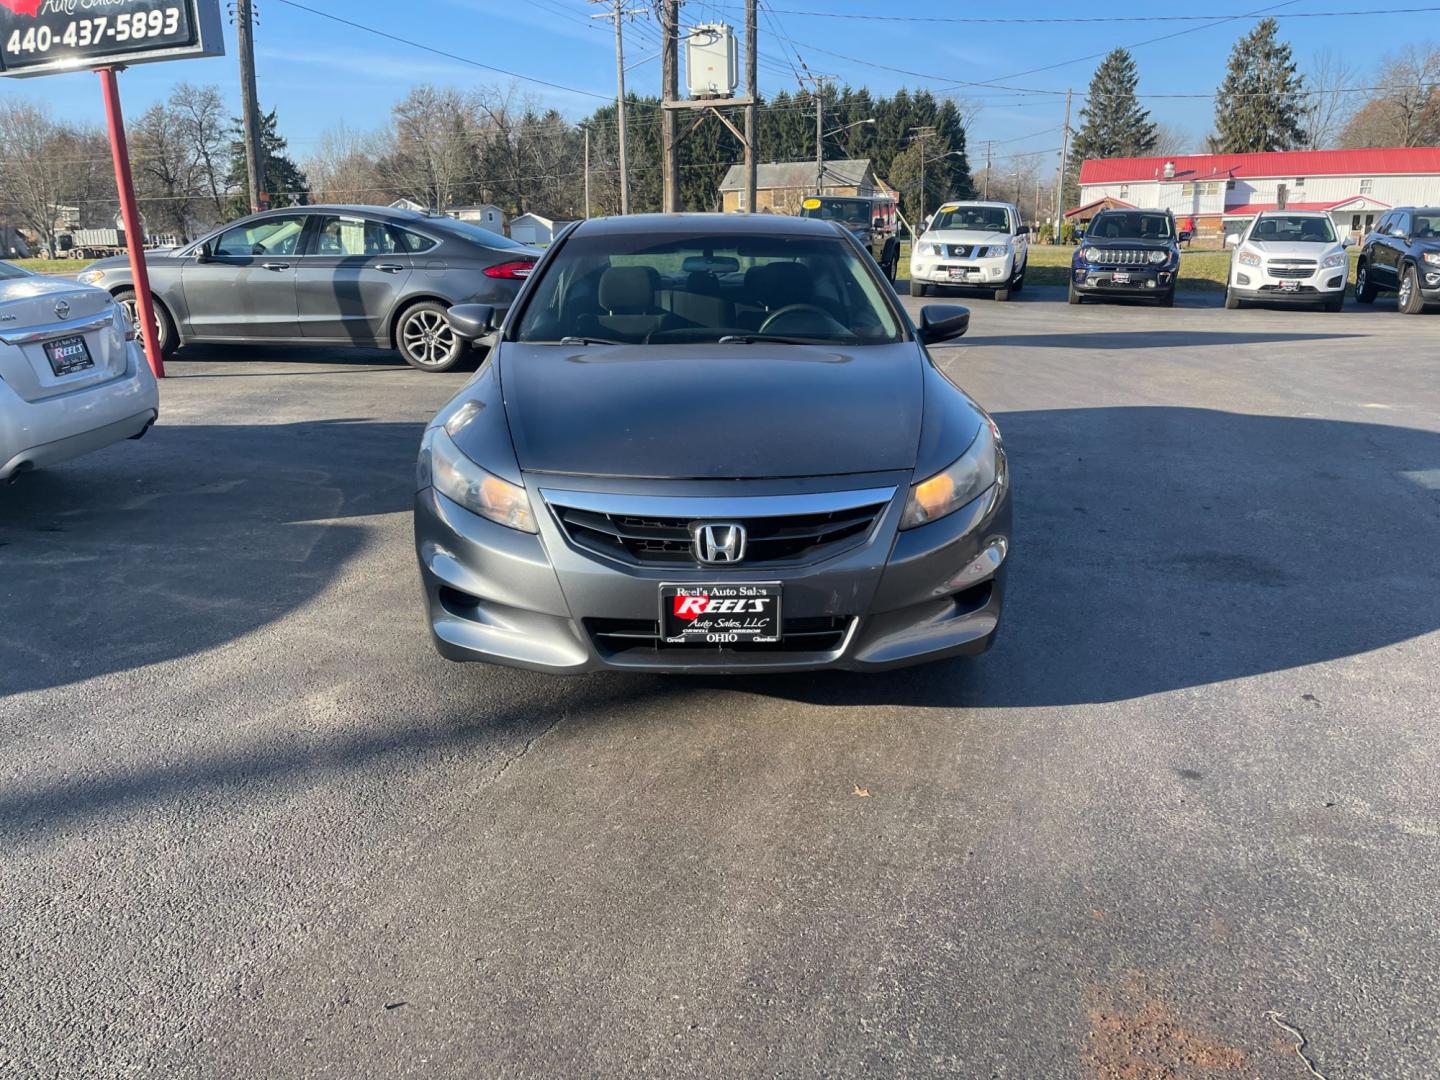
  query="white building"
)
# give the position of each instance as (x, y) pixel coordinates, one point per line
(1222, 192)
(534, 229)
(486, 215)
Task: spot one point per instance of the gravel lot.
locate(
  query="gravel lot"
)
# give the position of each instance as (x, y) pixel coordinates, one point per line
(250, 824)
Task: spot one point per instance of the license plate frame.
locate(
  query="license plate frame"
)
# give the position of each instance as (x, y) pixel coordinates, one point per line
(69, 362)
(1289, 285)
(753, 624)
(1121, 277)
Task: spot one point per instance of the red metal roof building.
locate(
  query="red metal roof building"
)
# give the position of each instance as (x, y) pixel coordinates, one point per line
(1222, 191)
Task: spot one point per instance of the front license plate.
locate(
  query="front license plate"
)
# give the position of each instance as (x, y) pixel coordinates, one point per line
(1289, 286)
(68, 355)
(720, 614)
(958, 273)
(1120, 279)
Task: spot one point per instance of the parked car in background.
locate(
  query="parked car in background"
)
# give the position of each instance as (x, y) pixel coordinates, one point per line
(866, 222)
(1288, 256)
(1402, 255)
(371, 276)
(72, 377)
(1127, 253)
(974, 245)
(706, 443)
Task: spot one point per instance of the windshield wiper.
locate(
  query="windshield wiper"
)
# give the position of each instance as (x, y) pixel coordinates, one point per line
(572, 340)
(779, 339)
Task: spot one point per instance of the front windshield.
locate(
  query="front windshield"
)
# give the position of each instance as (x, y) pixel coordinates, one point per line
(7, 271)
(1294, 229)
(1427, 225)
(644, 288)
(850, 211)
(1130, 225)
(973, 218)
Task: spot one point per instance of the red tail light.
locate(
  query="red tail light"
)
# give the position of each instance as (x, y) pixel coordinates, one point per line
(518, 270)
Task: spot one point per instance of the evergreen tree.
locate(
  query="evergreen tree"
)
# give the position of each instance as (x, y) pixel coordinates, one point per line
(284, 181)
(1258, 107)
(1112, 123)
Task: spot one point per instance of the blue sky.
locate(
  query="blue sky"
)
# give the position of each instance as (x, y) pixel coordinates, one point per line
(320, 73)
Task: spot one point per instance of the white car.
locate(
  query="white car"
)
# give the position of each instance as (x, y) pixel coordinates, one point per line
(1289, 256)
(72, 377)
(972, 245)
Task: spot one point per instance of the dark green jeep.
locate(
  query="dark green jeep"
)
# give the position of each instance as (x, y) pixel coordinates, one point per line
(865, 218)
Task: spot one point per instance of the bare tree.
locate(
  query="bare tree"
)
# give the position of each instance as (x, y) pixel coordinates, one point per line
(1171, 141)
(345, 166)
(166, 176)
(1328, 107)
(45, 166)
(436, 143)
(1405, 109)
(204, 127)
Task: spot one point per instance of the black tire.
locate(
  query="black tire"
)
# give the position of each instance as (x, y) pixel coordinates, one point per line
(425, 340)
(164, 324)
(917, 288)
(1073, 297)
(1364, 291)
(1409, 300)
(1232, 302)
(1336, 302)
(1167, 299)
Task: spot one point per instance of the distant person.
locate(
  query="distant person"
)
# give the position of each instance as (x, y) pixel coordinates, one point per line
(1189, 230)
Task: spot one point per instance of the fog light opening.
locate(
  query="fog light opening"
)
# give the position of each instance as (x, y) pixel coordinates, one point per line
(980, 568)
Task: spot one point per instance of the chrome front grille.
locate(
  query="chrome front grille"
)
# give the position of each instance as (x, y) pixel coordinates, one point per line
(1121, 256)
(959, 251)
(660, 531)
(1297, 269)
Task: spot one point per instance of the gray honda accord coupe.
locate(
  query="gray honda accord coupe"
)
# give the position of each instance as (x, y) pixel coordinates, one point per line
(711, 443)
(371, 276)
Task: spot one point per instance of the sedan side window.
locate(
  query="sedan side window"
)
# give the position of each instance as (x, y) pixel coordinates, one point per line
(271, 236)
(412, 242)
(353, 236)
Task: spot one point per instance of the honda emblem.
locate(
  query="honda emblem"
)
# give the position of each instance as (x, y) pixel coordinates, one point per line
(719, 544)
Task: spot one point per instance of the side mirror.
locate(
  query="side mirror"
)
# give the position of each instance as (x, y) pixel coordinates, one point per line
(202, 253)
(1348, 241)
(1232, 240)
(1185, 235)
(943, 322)
(471, 322)
(1023, 230)
(877, 223)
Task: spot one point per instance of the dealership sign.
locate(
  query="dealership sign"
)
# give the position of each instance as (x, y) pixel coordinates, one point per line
(40, 37)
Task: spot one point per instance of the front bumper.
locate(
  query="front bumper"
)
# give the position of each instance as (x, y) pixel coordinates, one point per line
(989, 273)
(536, 601)
(35, 434)
(1122, 280)
(1257, 283)
(1429, 281)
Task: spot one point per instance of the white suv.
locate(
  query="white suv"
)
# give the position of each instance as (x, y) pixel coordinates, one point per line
(1289, 256)
(972, 245)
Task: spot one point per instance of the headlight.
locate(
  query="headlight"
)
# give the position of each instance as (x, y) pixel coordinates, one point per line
(997, 251)
(1158, 257)
(972, 474)
(458, 478)
(1090, 254)
(935, 249)
(1431, 257)
(89, 277)
(1337, 259)
(1248, 258)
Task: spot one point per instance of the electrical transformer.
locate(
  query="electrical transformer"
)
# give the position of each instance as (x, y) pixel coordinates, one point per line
(712, 61)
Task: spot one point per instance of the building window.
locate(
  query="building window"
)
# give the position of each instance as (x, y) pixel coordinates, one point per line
(1187, 191)
(1211, 188)
(1300, 183)
(1366, 185)
(1124, 191)
(1354, 222)
(741, 197)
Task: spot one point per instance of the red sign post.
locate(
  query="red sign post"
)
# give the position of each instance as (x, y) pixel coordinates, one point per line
(130, 216)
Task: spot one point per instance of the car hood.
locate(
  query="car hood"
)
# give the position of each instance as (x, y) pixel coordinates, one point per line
(965, 236)
(713, 411)
(1131, 243)
(117, 262)
(1286, 249)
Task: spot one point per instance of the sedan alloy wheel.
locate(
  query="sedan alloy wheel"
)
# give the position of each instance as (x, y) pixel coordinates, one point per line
(426, 339)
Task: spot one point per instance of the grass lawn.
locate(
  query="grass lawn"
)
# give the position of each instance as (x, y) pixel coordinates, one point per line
(1201, 270)
(51, 266)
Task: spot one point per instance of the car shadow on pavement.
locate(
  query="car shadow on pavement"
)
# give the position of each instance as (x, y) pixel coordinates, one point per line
(1159, 548)
(188, 539)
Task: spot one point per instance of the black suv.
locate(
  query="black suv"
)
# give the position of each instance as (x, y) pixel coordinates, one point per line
(1134, 253)
(1402, 255)
(866, 222)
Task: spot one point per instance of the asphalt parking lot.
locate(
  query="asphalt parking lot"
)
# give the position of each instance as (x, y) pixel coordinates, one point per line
(251, 825)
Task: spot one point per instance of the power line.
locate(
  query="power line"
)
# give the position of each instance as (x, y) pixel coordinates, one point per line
(1092, 19)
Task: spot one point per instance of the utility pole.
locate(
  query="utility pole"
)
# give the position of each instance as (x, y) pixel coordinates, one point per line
(669, 91)
(818, 82)
(250, 107)
(988, 145)
(1060, 173)
(618, 12)
(921, 134)
(586, 129)
(752, 91)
